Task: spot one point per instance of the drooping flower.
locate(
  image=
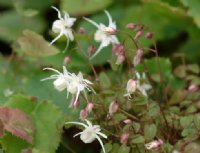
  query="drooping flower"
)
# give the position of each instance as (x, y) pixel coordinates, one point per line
(104, 34)
(113, 107)
(154, 145)
(63, 26)
(131, 87)
(70, 81)
(142, 84)
(90, 133)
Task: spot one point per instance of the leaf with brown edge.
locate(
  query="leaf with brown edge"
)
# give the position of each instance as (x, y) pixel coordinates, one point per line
(17, 122)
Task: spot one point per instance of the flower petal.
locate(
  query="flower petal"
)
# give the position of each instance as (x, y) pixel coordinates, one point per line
(101, 143)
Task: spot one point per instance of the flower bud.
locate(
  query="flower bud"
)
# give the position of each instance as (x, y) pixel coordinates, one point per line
(67, 59)
(124, 138)
(83, 114)
(138, 34)
(91, 49)
(60, 84)
(90, 107)
(193, 88)
(138, 57)
(113, 107)
(131, 26)
(127, 121)
(131, 86)
(118, 49)
(109, 30)
(149, 35)
(120, 59)
(154, 145)
(81, 30)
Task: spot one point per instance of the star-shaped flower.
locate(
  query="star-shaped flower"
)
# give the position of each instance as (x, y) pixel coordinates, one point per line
(104, 34)
(70, 81)
(63, 26)
(90, 133)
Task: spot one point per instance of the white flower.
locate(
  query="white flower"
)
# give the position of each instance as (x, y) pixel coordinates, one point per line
(73, 83)
(90, 133)
(142, 86)
(104, 34)
(7, 92)
(63, 26)
(131, 87)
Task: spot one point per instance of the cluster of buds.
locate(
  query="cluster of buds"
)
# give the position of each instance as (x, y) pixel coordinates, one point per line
(119, 51)
(85, 112)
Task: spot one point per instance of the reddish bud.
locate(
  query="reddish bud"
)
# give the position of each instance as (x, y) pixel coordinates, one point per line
(83, 114)
(90, 106)
(120, 59)
(138, 57)
(124, 138)
(113, 107)
(154, 145)
(91, 49)
(193, 88)
(67, 59)
(138, 34)
(149, 35)
(118, 49)
(81, 30)
(131, 26)
(127, 121)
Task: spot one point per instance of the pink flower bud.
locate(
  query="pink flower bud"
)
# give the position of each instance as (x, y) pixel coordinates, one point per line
(193, 88)
(127, 121)
(90, 106)
(131, 26)
(118, 49)
(74, 104)
(83, 114)
(149, 35)
(67, 59)
(124, 138)
(138, 57)
(110, 31)
(91, 49)
(120, 59)
(131, 86)
(138, 34)
(113, 107)
(154, 145)
(81, 30)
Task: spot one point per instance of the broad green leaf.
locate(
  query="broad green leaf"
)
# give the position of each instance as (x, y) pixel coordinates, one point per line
(90, 6)
(137, 139)
(12, 25)
(12, 144)
(186, 121)
(48, 125)
(34, 45)
(193, 10)
(192, 148)
(197, 120)
(188, 132)
(177, 97)
(150, 132)
(124, 149)
(105, 81)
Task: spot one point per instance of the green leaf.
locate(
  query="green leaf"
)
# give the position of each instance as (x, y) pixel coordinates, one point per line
(48, 125)
(193, 9)
(90, 6)
(177, 97)
(137, 139)
(104, 80)
(124, 149)
(188, 132)
(197, 120)
(192, 148)
(186, 121)
(12, 144)
(150, 132)
(140, 100)
(34, 45)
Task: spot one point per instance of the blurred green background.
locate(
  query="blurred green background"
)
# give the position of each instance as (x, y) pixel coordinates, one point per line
(175, 24)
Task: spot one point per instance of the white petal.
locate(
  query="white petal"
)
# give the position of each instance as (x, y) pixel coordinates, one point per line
(56, 38)
(68, 33)
(70, 22)
(57, 26)
(97, 51)
(78, 134)
(52, 69)
(59, 14)
(109, 18)
(92, 22)
(88, 123)
(102, 134)
(114, 39)
(101, 143)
